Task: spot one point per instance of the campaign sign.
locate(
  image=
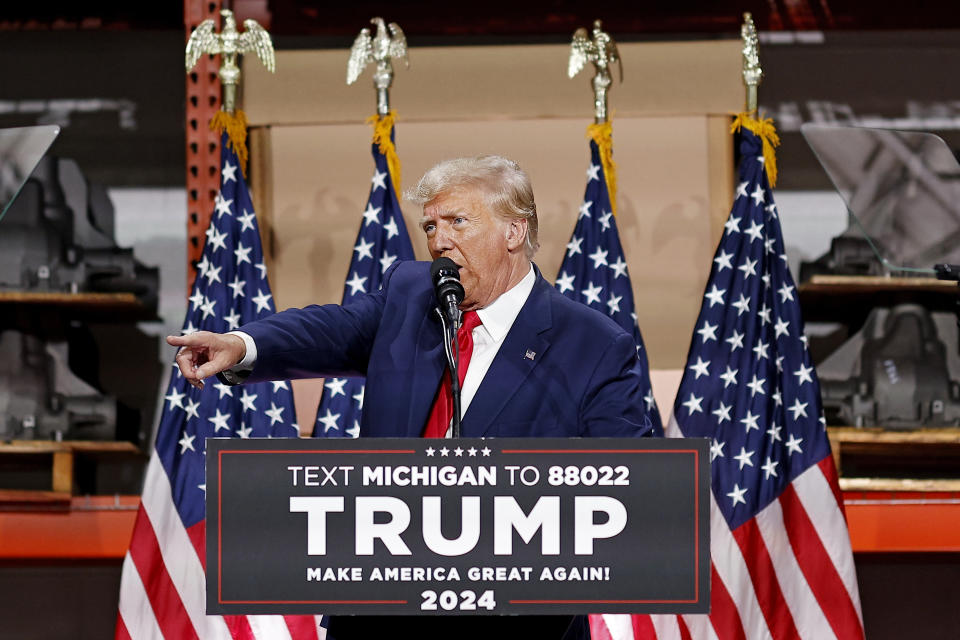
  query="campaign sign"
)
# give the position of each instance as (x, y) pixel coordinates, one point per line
(469, 527)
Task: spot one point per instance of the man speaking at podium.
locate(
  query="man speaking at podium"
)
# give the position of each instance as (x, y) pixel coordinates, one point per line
(532, 362)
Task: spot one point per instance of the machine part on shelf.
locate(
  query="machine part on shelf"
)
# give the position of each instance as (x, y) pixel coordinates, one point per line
(850, 255)
(41, 399)
(900, 371)
(58, 235)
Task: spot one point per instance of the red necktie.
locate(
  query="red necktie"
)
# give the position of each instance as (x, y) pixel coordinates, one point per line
(442, 412)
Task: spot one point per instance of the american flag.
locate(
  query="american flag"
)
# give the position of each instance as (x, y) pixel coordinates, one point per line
(163, 592)
(782, 565)
(594, 271)
(381, 241)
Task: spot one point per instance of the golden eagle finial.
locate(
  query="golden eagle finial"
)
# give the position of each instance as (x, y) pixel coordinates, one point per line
(601, 50)
(382, 49)
(228, 44)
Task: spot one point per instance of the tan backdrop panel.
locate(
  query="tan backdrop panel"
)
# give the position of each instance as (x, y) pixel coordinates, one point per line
(468, 83)
(672, 200)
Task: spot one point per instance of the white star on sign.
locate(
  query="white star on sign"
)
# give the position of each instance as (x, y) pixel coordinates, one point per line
(430, 451)
(242, 253)
(175, 398)
(371, 215)
(599, 257)
(386, 261)
(737, 495)
(485, 451)
(715, 295)
(735, 341)
(573, 247)
(458, 452)
(444, 451)
(356, 284)
(363, 250)
(378, 180)
(744, 458)
(186, 442)
(619, 267)
(274, 412)
(614, 303)
(798, 409)
(755, 231)
(700, 368)
(750, 421)
(757, 195)
(220, 421)
(246, 221)
(329, 421)
(391, 229)
(793, 444)
(803, 375)
(336, 387)
(722, 413)
(228, 173)
(565, 282)
(708, 332)
(262, 300)
(593, 173)
(756, 386)
(742, 305)
(769, 468)
(723, 261)
(592, 293)
(693, 405)
(585, 209)
(730, 377)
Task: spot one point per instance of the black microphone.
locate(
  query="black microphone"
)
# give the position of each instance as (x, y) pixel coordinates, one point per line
(445, 275)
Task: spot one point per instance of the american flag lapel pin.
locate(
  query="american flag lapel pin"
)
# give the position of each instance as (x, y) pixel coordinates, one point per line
(530, 355)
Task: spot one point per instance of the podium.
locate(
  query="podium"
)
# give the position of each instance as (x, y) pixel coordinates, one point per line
(399, 526)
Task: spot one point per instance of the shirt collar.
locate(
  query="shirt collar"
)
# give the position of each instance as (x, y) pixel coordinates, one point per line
(498, 316)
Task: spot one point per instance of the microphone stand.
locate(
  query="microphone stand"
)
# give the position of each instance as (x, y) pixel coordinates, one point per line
(452, 350)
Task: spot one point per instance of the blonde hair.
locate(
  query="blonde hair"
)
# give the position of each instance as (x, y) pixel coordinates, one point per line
(505, 185)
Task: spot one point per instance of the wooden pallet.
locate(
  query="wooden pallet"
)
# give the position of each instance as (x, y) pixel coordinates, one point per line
(61, 456)
(876, 459)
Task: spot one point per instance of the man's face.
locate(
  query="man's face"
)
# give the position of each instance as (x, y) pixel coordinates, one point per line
(459, 226)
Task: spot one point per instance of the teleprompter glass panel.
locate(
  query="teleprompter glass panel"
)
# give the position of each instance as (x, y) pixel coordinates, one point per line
(20, 150)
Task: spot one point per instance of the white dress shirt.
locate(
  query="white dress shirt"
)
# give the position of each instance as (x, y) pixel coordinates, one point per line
(497, 318)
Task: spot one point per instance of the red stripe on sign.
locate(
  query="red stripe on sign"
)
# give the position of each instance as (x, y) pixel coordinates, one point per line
(121, 632)
(829, 470)
(643, 628)
(167, 607)
(301, 627)
(723, 610)
(818, 569)
(764, 579)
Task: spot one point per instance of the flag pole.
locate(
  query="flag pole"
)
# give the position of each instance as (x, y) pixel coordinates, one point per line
(752, 73)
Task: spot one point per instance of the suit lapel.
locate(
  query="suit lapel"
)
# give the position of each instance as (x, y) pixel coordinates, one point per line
(521, 351)
(429, 363)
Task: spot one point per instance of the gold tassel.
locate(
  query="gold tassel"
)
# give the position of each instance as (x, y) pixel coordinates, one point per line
(382, 126)
(602, 134)
(762, 128)
(235, 126)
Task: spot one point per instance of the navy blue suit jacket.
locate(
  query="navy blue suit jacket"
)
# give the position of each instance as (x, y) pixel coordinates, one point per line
(563, 370)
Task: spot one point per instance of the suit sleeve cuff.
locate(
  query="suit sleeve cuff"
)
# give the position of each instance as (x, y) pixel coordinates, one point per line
(250, 358)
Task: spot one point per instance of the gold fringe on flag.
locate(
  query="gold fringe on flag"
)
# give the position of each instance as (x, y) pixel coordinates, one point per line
(602, 134)
(762, 128)
(382, 126)
(235, 126)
